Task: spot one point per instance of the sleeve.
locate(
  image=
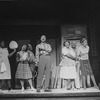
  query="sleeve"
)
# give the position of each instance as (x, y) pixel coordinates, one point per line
(17, 56)
(78, 51)
(64, 51)
(49, 48)
(1, 57)
(37, 53)
(32, 57)
(88, 49)
(7, 52)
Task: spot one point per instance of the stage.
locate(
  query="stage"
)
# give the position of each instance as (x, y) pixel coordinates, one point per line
(87, 94)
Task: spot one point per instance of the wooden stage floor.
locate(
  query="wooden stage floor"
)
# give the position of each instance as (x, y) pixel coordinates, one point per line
(89, 92)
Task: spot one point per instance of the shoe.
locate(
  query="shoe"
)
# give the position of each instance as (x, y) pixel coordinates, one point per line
(32, 89)
(47, 90)
(22, 89)
(9, 89)
(89, 85)
(38, 89)
(68, 88)
(78, 88)
(84, 88)
(95, 86)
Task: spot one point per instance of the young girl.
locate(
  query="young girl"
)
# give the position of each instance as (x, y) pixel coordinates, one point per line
(86, 71)
(23, 71)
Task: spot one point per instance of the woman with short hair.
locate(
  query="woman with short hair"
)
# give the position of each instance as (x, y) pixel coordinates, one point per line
(23, 71)
(85, 67)
(68, 65)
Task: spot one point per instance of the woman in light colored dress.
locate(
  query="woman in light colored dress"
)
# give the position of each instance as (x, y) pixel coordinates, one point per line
(85, 67)
(68, 68)
(23, 70)
(6, 75)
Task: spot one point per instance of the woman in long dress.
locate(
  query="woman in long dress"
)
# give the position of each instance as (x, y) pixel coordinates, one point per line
(85, 67)
(4, 54)
(23, 70)
(68, 68)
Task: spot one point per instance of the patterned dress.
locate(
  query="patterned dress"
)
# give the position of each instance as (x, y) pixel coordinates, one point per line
(4, 57)
(68, 68)
(84, 61)
(23, 70)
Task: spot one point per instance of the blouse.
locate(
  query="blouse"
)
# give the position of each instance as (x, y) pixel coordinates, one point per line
(42, 49)
(83, 52)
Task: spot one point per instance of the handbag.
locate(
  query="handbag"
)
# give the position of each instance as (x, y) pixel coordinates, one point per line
(3, 67)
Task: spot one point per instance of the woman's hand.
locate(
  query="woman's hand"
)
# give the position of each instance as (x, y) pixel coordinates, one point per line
(82, 54)
(12, 53)
(14, 50)
(36, 62)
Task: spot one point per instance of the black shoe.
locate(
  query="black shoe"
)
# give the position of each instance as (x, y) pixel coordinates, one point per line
(89, 85)
(9, 88)
(38, 89)
(47, 90)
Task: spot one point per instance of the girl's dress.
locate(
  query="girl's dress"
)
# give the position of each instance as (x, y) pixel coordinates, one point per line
(23, 70)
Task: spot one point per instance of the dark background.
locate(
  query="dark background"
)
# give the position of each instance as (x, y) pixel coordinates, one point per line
(18, 17)
(29, 19)
(23, 18)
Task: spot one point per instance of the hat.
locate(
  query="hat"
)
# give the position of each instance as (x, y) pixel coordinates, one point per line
(13, 45)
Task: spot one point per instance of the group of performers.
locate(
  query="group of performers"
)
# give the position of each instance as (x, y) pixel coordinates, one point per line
(26, 62)
(76, 70)
(75, 67)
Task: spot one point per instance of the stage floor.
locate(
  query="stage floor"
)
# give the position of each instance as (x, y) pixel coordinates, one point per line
(89, 92)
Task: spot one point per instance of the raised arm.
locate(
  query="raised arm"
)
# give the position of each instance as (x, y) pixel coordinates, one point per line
(12, 53)
(17, 57)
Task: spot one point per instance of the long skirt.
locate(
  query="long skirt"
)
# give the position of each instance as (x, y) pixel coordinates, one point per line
(85, 68)
(23, 71)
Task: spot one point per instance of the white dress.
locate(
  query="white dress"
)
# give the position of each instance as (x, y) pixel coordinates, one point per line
(4, 57)
(68, 68)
